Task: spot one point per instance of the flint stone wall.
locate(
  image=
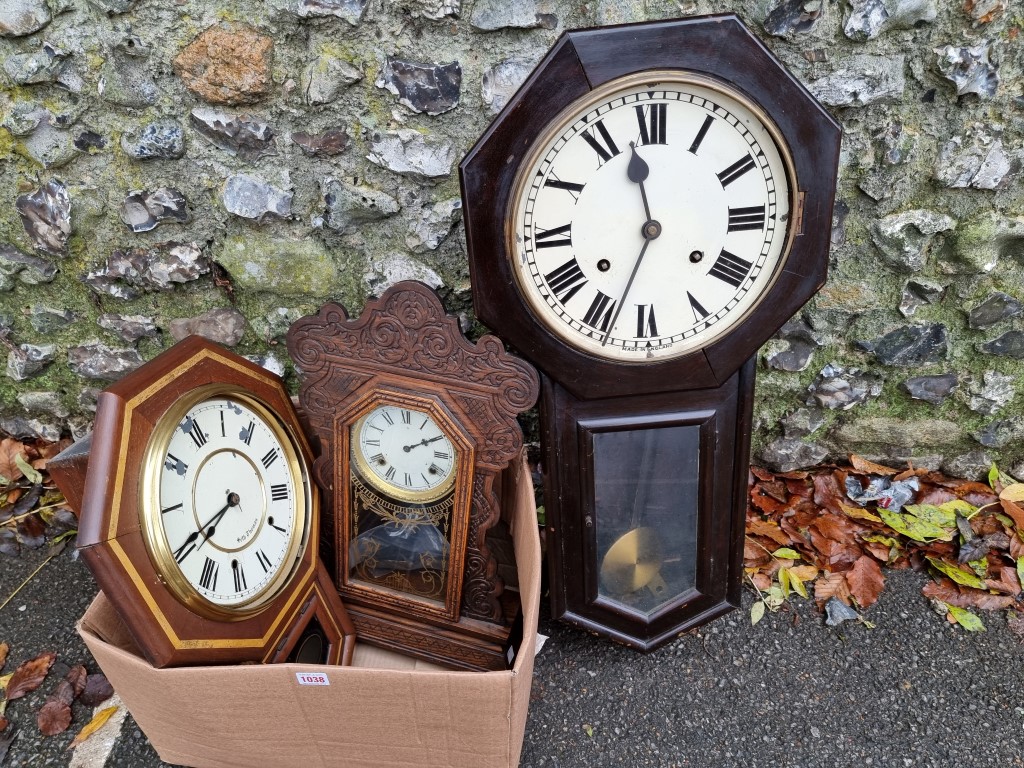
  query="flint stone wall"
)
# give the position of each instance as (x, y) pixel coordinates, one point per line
(224, 167)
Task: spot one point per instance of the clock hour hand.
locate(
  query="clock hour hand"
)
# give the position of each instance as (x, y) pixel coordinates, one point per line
(638, 171)
(209, 529)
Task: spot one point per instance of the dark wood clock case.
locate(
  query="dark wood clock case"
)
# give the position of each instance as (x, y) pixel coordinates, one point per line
(697, 405)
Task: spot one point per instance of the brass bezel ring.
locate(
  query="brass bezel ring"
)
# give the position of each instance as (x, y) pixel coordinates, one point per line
(367, 474)
(582, 106)
(155, 537)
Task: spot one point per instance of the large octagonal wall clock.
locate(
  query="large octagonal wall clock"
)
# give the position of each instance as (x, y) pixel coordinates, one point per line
(416, 425)
(648, 209)
(198, 513)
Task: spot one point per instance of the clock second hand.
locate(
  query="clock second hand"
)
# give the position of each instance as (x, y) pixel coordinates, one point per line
(637, 171)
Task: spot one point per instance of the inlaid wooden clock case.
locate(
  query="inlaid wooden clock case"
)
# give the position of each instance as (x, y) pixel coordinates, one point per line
(584, 395)
(113, 512)
(404, 349)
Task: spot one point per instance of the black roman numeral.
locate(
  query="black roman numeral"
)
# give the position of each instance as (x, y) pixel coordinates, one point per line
(387, 417)
(699, 313)
(652, 120)
(406, 417)
(737, 169)
(390, 474)
(566, 281)
(239, 575)
(434, 469)
(561, 235)
(701, 134)
(600, 313)
(730, 269)
(269, 458)
(246, 434)
(263, 560)
(208, 578)
(223, 430)
(646, 325)
(441, 455)
(377, 457)
(408, 479)
(196, 433)
(746, 218)
(279, 492)
(174, 463)
(602, 143)
(571, 187)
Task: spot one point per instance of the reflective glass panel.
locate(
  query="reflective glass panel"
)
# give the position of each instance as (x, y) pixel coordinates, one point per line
(646, 514)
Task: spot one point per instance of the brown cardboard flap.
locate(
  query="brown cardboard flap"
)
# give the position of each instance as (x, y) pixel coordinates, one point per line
(255, 715)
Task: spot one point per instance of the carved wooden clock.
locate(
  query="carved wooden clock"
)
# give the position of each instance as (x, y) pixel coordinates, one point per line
(649, 208)
(415, 424)
(198, 515)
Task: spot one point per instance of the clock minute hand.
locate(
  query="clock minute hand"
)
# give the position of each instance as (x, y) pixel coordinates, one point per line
(637, 171)
(211, 526)
(424, 441)
(625, 292)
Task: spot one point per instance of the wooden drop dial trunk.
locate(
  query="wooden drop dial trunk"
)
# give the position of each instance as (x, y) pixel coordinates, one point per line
(415, 425)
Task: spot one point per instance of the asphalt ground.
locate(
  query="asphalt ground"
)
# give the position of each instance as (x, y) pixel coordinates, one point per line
(789, 692)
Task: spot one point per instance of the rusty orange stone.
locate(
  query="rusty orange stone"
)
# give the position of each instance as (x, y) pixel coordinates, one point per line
(227, 64)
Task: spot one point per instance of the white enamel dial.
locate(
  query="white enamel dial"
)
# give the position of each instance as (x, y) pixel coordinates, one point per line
(404, 453)
(231, 506)
(652, 217)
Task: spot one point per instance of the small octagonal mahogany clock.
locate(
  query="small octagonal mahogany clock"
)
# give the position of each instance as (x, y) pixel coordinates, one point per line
(198, 513)
(647, 210)
(415, 426)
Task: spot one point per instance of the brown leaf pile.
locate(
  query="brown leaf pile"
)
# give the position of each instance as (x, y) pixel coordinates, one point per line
(55, 714)
(974, 549)
(32, 510)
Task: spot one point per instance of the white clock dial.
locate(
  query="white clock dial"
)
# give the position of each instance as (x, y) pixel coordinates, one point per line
(651, 218)
(404, 453)
(232, 502)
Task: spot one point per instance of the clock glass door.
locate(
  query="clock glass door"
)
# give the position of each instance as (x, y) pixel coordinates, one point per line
(401, 525)
(645, 514)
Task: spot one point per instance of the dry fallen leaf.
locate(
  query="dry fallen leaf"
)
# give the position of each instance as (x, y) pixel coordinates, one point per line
(831, 585)
(10, 449)
(869, 467)
(54, 717)
(97, 690)
(762, 581)
(63, 693)
(77, 677)
(768, 529)
(97, 722)
(29, 675)
(1014, 512)
(866, 581)
(4, 650)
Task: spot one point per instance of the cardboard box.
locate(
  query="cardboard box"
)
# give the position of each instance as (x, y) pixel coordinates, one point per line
(385, 710)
